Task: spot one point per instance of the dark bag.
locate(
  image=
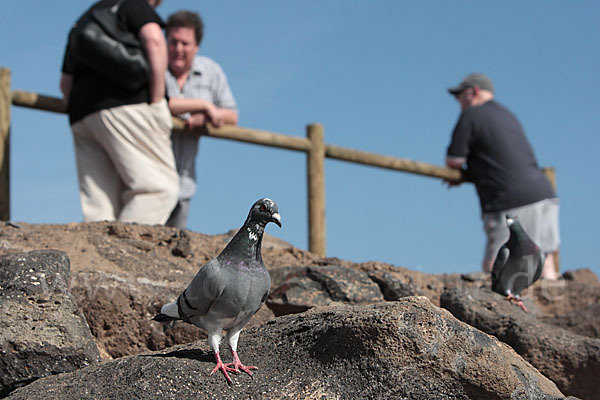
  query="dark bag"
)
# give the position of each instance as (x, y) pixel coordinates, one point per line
(99, 43)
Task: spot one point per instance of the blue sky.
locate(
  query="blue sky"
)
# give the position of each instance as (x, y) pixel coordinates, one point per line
(375, 74)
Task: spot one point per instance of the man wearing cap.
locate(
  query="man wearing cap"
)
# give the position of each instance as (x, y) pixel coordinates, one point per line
(489, 146)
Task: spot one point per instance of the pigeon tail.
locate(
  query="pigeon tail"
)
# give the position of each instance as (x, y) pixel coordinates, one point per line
(163, 318)
(168, 312)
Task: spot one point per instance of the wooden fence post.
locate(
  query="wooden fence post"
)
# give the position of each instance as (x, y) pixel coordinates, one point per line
(551, 175)
(5, 104)
(316, 189)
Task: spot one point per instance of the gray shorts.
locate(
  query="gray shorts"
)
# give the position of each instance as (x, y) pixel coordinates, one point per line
(539, 220)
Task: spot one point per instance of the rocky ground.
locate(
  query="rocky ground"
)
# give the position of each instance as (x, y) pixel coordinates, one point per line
(331, 328)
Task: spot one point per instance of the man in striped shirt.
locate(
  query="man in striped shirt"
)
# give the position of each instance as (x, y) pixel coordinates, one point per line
(199, 93)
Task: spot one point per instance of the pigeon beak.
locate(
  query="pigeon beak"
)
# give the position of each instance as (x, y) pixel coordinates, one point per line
(276, 218)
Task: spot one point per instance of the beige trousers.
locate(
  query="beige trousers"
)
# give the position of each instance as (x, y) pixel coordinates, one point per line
(125, 164)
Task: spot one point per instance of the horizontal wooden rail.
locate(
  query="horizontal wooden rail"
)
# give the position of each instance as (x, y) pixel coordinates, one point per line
(38, 101)
(254, 136)
(54, 104)
(398, 164)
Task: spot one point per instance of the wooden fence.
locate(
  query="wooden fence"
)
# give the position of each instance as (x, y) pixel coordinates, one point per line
(313, 145)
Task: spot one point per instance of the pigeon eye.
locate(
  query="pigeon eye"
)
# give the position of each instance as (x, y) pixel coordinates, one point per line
(263, 207)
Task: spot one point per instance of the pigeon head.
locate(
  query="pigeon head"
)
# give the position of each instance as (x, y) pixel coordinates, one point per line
(518, 234)
(247, 241)
(511, 219)
(264, 211)
(514, 226)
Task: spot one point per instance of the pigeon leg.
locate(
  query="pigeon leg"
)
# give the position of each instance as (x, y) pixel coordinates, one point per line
(238, 366)
(223, 368)
(232, 337)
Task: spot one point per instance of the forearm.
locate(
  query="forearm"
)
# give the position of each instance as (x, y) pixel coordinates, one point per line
(230, 117)
(152, 39)
(180, 105)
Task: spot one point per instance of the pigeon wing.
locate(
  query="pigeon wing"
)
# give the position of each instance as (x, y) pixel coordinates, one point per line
(499, 283)
(539, 267)
(203, 291)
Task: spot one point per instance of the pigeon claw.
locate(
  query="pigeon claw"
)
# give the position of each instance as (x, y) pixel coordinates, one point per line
(240, 368)
(237, 365)
(223, 368)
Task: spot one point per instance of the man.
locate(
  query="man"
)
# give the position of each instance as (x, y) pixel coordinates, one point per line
(199, 93)
(125, 162)
(489, 142)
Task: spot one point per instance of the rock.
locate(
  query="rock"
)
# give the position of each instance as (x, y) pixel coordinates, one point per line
(563, 297)
(119, 309)
(582, 275)
(183, 247)
(297, 289)
(476, 276)
(398, 281)
(393, 287)
(409, 349)
(572, 361)
(41, 330)
(584, 321)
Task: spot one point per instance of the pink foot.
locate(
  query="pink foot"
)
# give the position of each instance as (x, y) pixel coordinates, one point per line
(522, 305)
(238, 366)
(516, 301)
(223, 368)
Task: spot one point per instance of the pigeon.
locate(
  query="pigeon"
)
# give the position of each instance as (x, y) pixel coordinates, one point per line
(518, 265)
(229, 289)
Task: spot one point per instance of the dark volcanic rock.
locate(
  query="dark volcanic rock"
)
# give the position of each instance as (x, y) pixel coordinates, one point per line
(296, 289)
(572, 361)
(41, 330)
(392, 287)
(407, 349)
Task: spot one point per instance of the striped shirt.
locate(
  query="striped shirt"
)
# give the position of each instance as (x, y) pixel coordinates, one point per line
(206, 81)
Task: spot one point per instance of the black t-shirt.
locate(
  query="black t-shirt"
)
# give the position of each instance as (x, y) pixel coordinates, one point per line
(500, 160)
(92, 92)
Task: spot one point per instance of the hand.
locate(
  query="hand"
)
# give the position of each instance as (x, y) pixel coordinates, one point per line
(196, 120)
(215, 116)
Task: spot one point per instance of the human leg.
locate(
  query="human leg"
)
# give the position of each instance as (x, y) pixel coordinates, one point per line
(179, 215)
(540, 221)
(99, 183)
(139, 145)
(550, 270)
(496, 230)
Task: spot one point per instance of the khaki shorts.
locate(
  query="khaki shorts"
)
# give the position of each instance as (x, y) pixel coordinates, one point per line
(125, 164)
(539, 220)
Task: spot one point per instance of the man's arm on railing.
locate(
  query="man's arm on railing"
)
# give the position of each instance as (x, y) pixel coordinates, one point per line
(456, 163)
(216, 115)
